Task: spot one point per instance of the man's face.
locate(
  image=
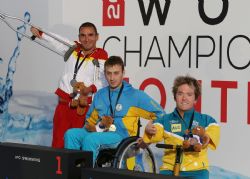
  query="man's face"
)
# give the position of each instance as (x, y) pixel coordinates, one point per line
(114, 75)
(88, 38)
(185, 98)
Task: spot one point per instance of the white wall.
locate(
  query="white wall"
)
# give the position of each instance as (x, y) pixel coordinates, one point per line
(38, 69)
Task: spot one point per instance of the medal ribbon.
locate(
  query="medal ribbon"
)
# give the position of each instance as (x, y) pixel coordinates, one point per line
(117, 99)
(189, 127)
(77, 67)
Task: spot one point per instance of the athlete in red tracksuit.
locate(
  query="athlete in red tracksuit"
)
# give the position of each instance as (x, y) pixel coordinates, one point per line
(86, 70)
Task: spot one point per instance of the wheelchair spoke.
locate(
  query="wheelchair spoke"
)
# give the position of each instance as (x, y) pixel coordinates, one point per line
(128, 156)
(136, 159)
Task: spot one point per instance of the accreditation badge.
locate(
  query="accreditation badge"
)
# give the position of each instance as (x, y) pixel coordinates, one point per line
(175, 127)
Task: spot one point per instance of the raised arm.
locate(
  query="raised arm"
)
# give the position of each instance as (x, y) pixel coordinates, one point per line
(53, 42)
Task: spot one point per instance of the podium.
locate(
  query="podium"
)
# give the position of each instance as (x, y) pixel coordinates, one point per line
(113, 173)
(23, 161)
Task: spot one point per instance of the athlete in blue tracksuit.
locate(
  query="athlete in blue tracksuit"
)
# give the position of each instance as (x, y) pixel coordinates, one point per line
(119, 100)
(172, 129)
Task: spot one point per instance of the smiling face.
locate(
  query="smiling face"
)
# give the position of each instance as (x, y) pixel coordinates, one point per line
(185, 98)
(114, 75)
(88, 38)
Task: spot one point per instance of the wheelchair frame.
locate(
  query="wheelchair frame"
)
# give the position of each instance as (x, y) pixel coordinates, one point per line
(115, 157)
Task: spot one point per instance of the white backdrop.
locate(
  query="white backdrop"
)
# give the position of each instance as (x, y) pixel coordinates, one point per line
(218, 55)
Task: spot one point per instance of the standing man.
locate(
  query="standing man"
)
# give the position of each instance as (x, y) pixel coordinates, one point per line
(85, 63)
(119, 101)
(172, 129)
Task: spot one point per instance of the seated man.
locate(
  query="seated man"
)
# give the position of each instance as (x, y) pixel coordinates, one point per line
(120, 102)
(174, 128)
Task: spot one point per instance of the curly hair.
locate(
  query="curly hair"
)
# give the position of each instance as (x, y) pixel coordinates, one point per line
(190, 81)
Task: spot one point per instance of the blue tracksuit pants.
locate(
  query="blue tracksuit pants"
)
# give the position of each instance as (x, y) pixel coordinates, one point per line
(80, 138)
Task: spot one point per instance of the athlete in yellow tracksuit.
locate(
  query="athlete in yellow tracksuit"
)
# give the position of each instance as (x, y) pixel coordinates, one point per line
(171, 128)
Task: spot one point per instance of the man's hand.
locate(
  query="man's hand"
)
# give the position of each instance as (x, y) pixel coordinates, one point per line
(35, 32)
(106, 121)
(150, 128)
(141, 143)
(205, 140)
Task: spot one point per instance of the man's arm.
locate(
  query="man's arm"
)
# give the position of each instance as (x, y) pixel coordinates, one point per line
(99, 77)
(92, 115)
(59, 46)
(213, 132)
(154, 131)
(152, 109)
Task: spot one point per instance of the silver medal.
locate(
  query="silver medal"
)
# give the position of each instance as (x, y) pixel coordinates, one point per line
(73, 82)
(118, 107)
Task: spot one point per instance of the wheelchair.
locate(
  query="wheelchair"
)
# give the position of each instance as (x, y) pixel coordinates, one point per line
(127, 156)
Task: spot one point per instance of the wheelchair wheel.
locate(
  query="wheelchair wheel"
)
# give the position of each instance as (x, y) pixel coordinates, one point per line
(130, 157)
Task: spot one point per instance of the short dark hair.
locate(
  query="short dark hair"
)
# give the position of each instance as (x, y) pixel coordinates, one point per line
(88, 24)
(114, 60)
(190, 81)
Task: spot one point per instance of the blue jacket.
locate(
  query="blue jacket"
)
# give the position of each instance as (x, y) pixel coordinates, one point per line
(171, 129)
(132, 105)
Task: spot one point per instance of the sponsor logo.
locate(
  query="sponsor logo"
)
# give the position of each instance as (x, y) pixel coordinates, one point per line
(175, 127)
(113, 12)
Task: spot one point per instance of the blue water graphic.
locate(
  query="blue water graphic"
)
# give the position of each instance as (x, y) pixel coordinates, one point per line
(18, 127)
(6, 90)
